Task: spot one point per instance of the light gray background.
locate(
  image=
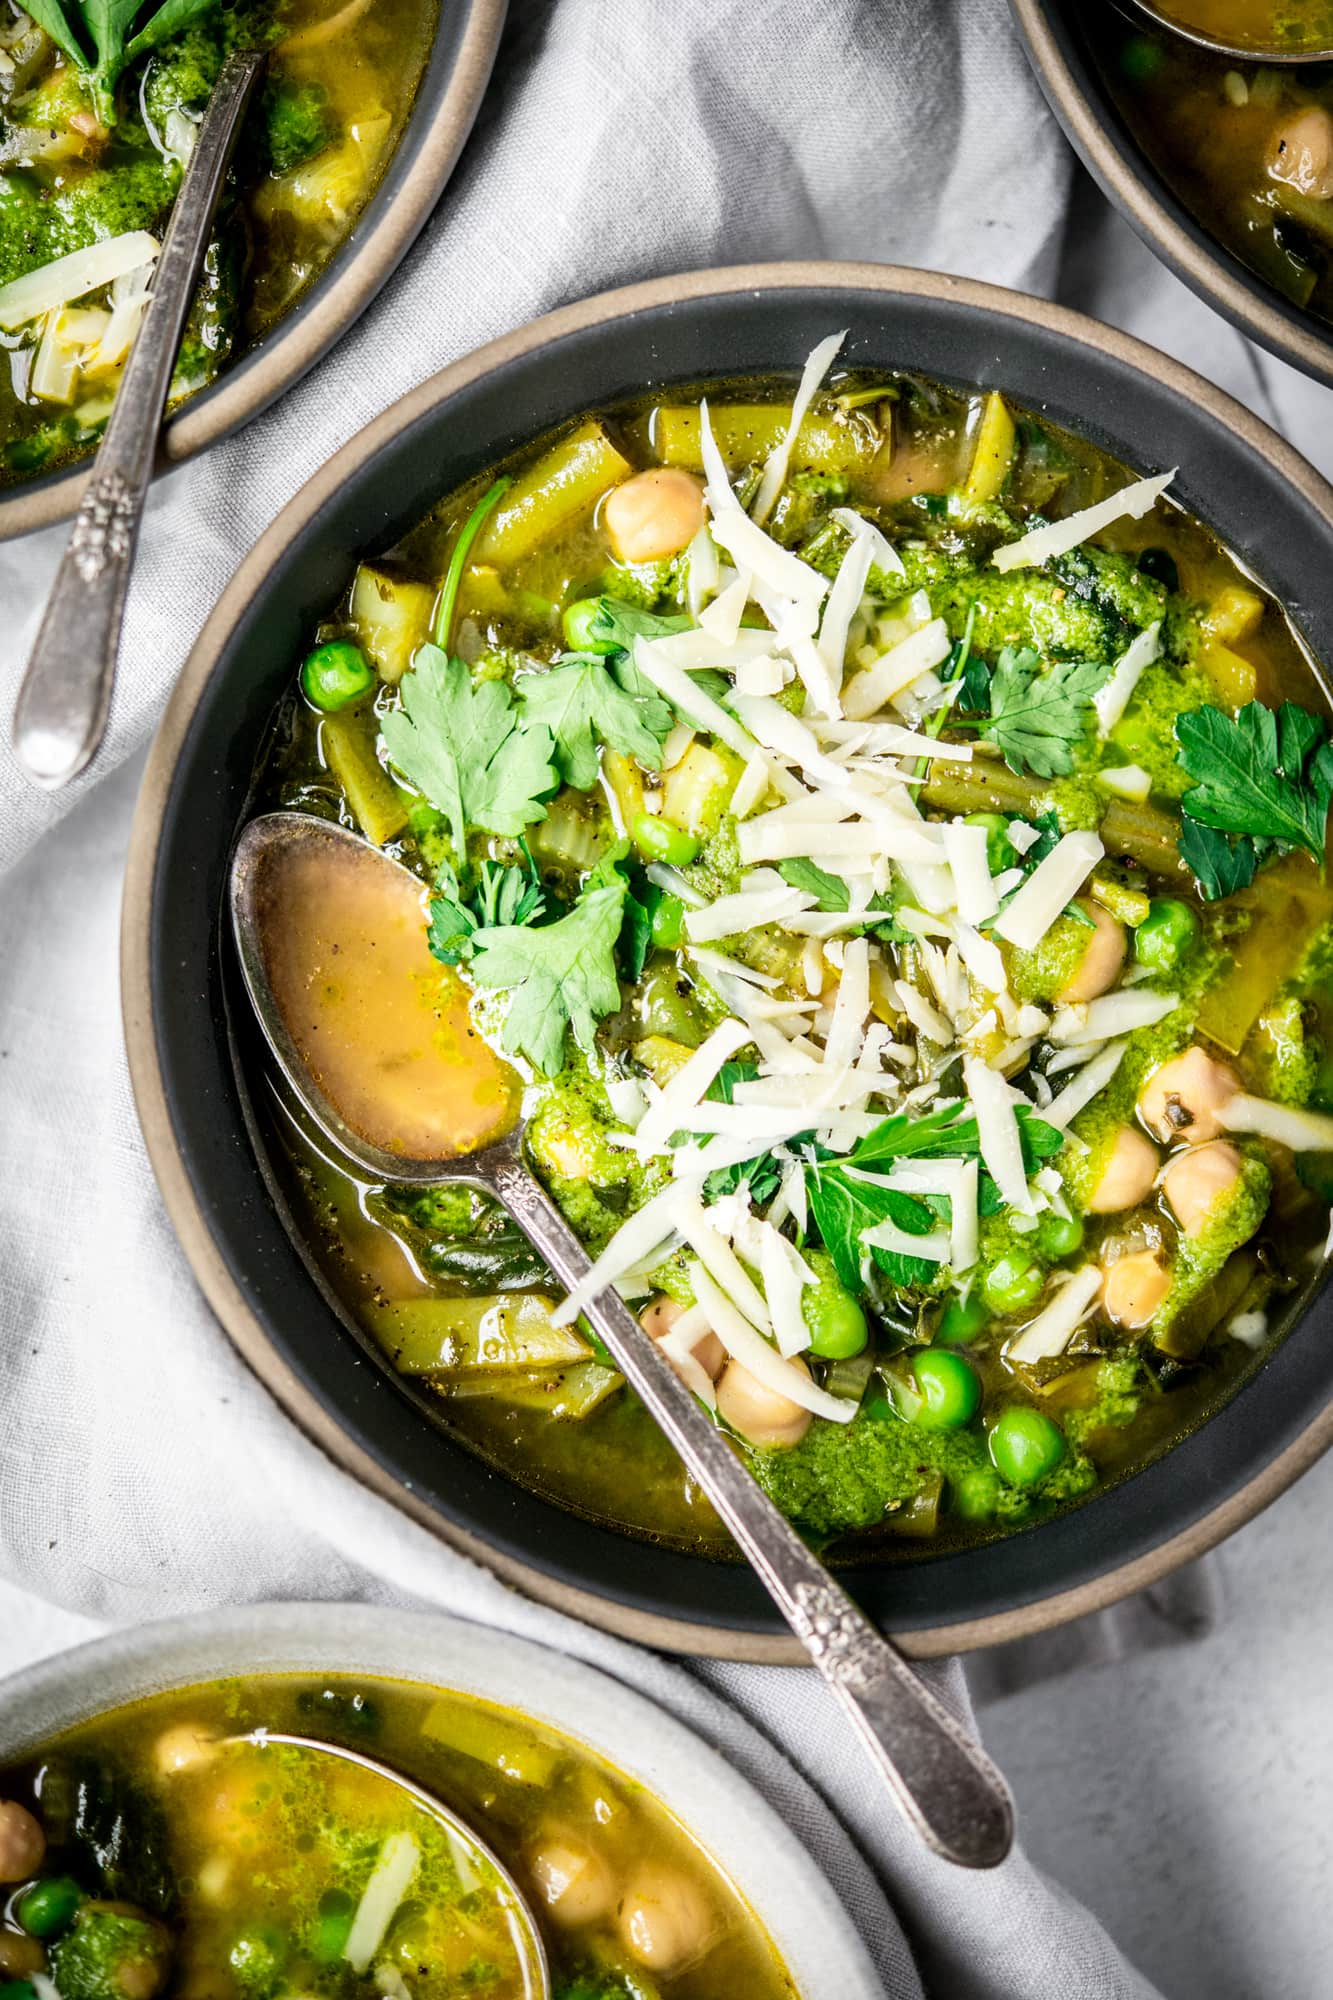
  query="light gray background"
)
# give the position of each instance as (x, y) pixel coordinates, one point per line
(1180, 1793)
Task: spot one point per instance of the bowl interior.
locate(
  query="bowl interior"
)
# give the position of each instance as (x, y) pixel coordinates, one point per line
(768, 1865)
(1055, 32)
(1232, 474)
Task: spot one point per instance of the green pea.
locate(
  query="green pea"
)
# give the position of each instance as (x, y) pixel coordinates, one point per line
(949, 1389)
(836, 1322)
(1140, 59)
(659, 840)
(1012, 1282)
(1166, 934)
(331, 1929)
(336, 674)
(975, 1493)
(1059, 1235)
(962, 1320)
(1026, 1445)
(48, 1907)
(666, 925)
(577, 621)
(1000, 850)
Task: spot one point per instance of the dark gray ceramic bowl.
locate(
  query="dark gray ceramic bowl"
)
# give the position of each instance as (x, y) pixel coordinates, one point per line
(1055, 34)
(447, 101)
(1250, 487)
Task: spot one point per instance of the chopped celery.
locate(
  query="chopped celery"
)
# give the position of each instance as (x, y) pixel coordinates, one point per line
(509, 1747)
(564, 483)
(347, 741)
(749, 431)
(698, 789)
(569, 1393)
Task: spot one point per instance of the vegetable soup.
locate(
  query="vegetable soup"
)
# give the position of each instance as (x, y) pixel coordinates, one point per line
(96, 127)
(882, 841)
(168, 1848)
(1247, 148)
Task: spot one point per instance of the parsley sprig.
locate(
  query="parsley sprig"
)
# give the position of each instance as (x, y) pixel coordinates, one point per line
(585, 699)
(474, 755)
(849, 1196)
(103, 37)
(1263, 784)
(558, 975)
(501, 896)
(1037, 717)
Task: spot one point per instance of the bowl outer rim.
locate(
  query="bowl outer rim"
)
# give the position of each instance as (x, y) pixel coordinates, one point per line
(1132, 184)
(187, 1215)
(331, 308)
(744, 1835)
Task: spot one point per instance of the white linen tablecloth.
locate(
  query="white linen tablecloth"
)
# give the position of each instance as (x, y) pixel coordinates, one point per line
(142, 1469)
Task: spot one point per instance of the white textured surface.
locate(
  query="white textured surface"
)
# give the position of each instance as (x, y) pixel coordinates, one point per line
(1182, 1793)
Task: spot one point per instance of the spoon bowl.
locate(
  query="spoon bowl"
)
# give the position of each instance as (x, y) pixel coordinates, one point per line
(478, 1870)
(1243, 30)
(307, 1007)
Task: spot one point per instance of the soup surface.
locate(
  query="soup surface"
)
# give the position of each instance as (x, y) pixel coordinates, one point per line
(1256, 24)
(1248, 149)
(91, 156)
(151, 1853)
(892, 867)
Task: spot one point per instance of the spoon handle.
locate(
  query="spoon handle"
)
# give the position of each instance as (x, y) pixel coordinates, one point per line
(943, 1781)
(60, 716)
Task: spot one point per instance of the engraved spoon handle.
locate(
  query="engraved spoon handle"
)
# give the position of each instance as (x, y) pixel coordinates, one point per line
(60, 716)
(943, 1781)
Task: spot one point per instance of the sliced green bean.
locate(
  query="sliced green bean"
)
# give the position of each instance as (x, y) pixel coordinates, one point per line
(564, 483)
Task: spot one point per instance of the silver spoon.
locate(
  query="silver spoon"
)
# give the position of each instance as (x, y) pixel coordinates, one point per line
(529, 1949)
(1182, 19)
(60, 716)
(945, 1784)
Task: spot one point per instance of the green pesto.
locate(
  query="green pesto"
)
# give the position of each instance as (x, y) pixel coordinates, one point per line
(1039, 973)
(1078, 802)
(1233, 1221)
(105, 1951)
(594, 1185)
(1120, 1387)
(1287, 1055)
(1146, 731)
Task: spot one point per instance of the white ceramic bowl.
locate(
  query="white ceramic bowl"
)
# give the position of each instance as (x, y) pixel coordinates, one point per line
(816, 1940)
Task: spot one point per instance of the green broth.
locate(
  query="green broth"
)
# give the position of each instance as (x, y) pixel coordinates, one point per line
(948, 478)
(1219, 133)
(248, 1864)
(330, 112)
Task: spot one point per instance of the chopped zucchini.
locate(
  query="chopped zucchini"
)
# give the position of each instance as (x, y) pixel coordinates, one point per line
(748, 431)
(1232, 677)
(507, 1747)
(993, 454)
(697, 791)
(1233, 614)
(392, 618)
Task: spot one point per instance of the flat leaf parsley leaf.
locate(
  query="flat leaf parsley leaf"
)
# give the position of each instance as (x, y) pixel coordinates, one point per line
(584, 699)
(108, 26)
(620, 624)
(558, 975)
(468, 749)
(1219, 866)
(1037, 717)
(502, 896)
(1268, 773)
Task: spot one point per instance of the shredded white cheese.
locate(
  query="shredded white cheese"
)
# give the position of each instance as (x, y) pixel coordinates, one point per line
(1052, 883)
(764, 1362)
(1284, 1124)
(992, 1099)
(390, 1880)
(73, 276)
(817, 366)
(1093, 1077)
(1054, 1327)
(1057, 538)
(901, 667)
(1113, 698)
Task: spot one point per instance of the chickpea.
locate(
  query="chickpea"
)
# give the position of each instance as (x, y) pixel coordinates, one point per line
(575, 1882)
(1135, 1288)
(1127, 1177)
(1198, 1179)
(20, 1955)
(1103, 956)
(186, 1746)
(654, 515)
(660, 1315)
(665, 1919)
(1187, 1097)
(22, 1842)
(1300, 152)
(759, 1413)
